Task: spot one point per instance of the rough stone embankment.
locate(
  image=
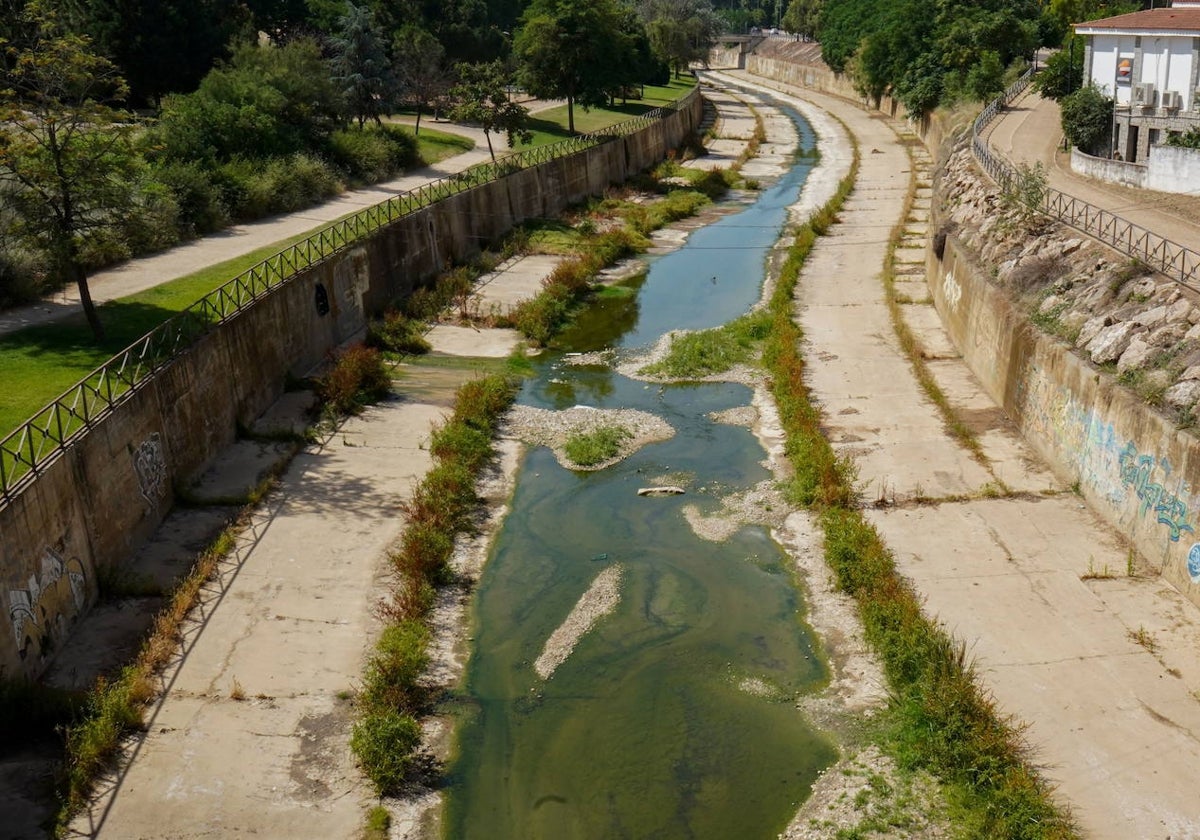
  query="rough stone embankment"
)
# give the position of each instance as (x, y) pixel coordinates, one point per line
(1115, 312)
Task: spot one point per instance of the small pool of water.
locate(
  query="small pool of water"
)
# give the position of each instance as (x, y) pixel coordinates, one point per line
(675, 716)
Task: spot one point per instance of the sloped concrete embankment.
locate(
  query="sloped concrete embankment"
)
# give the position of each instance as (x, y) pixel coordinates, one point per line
(104, 495)
(1115, 323)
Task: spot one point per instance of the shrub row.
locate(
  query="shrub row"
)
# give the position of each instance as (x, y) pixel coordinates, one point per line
(177, 200)
(940, 718)
(387, 733)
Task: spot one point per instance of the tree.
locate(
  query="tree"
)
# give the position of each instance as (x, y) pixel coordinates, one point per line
(681, 31)
(985, 81)
(565, 50)
(482, 97)
(1087, 119)
(1064, 71)
(421, 75)
(64, 148)
(361, 67)
(161, 46)
(802, 18)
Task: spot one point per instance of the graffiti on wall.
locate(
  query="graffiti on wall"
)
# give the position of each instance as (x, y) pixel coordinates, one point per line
(1104, 460)
(951, 291)
(1137, 473)
(151, 469)
(1193, 562)
(42, 612)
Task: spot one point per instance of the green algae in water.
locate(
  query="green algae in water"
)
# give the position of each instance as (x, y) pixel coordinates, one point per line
(674, 717)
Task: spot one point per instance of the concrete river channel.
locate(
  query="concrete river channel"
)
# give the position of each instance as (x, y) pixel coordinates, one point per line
(675, 715)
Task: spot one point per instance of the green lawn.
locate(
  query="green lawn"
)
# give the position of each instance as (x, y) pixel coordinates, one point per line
(39, 363)
(434, 145)
(551, 126)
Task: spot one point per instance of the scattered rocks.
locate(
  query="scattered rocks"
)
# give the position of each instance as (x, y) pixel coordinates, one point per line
(542, 427)
(1115, 309)
(1111, 342)
(600, 599)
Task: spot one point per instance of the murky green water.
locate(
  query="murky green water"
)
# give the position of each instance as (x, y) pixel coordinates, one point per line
(675, 716)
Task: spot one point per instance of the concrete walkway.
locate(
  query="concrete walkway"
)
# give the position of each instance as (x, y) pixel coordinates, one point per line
(1030, 131)
(1011, 573)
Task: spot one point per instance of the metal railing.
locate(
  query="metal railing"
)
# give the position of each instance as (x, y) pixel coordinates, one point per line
(1163, 255)
(25, 451)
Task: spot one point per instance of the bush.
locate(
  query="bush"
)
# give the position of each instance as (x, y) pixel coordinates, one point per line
(198, 199)
(596, 446)
(383, 742)
(359, 376)
(398, 334)
(401, 656)
(1087, 119)
(373, 154)
(152, 222)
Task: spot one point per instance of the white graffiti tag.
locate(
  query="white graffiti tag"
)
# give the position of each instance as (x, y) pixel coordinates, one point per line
(951, 291)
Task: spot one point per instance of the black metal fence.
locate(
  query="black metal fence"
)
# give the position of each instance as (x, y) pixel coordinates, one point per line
(29, 447)
(1164, 256)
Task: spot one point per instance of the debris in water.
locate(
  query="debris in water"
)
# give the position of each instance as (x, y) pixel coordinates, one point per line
(667, 490)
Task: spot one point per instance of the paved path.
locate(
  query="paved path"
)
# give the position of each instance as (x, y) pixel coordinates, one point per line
(1030, 131)
(1115, 724)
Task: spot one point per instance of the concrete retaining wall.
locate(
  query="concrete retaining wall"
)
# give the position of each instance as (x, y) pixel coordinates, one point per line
(1112, 171)
(94, 504)
(1167, 169)
(1133, 466)
(1173, 169)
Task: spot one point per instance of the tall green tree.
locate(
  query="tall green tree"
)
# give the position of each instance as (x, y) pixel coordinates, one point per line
(64, 147)
(361, 67)
(681, 31)
(1087, 120)
(161, 46)
(803, 18)
(481, 96)
(570, 49)
(421, 74)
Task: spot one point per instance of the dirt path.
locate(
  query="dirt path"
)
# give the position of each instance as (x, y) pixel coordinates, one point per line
(1115, 724)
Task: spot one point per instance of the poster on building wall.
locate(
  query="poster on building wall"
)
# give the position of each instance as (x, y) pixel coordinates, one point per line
(1124, 70)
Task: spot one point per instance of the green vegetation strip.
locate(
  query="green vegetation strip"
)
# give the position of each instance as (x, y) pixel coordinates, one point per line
(588, 448)
(939, 718)
(698, 354)
(387, 733)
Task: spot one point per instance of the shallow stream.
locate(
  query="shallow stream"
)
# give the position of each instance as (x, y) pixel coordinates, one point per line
(675, 716)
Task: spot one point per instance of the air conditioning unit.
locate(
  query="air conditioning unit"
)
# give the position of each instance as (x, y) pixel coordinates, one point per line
(1171, 100)
(1143, 95)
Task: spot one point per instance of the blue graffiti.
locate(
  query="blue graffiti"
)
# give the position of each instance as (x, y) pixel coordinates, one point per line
(1136, 472)
(1193, 562)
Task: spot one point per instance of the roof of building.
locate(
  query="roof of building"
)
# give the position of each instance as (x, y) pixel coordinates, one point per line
(1151, 20)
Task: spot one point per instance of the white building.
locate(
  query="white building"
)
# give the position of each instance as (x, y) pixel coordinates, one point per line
(1149, 62)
